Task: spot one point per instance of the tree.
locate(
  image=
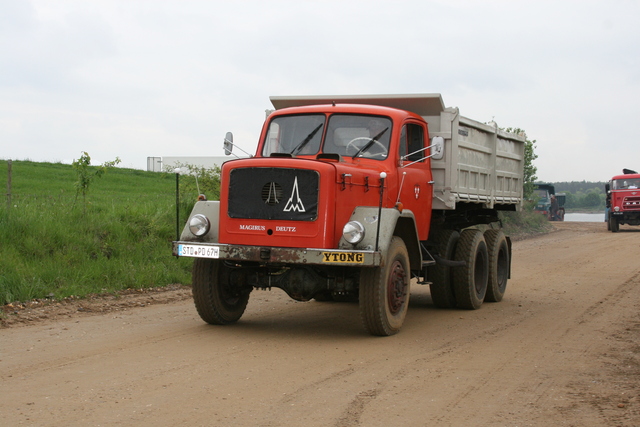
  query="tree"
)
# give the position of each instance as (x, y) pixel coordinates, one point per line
(529, 169)
(592, 200)
(86, 176)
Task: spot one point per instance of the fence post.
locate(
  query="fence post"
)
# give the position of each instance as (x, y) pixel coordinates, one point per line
(177, 171)
(8, 186)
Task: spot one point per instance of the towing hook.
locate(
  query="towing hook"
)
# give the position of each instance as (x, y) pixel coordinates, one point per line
(265, 254)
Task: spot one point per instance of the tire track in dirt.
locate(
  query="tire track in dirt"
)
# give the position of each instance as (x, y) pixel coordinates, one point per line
(355, 409)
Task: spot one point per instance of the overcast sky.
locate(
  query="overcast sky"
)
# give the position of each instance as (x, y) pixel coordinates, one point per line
(139, 78)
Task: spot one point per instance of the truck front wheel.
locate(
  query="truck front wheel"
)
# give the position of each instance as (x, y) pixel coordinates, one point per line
(384, 292)
(217, 300)
(498, 250)
(613, 224)
(470, 281)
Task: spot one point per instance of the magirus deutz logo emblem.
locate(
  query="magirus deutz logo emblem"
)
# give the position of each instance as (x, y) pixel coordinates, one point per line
(294, 203)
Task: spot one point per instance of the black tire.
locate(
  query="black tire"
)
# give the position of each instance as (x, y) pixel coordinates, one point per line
(470, 281)
(498, 250)
(218, 302)
(613, 225)
(439, 275)
(384, 292)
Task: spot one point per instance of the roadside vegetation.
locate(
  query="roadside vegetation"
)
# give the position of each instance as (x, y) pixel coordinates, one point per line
(116, 236)
(526, 223)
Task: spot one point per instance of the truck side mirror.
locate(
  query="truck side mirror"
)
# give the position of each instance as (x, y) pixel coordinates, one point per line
(228, 143)
(437, 148)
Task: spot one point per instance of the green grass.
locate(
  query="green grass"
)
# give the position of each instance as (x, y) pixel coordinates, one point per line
(524, 223)
(53, 245)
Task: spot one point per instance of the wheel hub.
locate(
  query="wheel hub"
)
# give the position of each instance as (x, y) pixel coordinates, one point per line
(396, 288)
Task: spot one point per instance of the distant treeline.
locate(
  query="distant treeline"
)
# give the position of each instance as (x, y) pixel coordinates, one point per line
(582, 194)
(577, 186)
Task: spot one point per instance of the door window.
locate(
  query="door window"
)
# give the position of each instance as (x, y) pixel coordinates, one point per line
(411, 143)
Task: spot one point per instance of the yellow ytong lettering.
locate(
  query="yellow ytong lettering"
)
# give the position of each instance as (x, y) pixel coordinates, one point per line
(343, 257)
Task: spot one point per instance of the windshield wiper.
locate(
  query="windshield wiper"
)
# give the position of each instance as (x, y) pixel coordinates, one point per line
(370, 143)
(304, 142)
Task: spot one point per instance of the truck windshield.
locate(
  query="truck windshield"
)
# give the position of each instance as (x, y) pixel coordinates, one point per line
(542, 194)
(349, 135)
(626, 184)
(297, 135)
(358, 136)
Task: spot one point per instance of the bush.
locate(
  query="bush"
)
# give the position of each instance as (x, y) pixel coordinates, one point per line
(525, 222)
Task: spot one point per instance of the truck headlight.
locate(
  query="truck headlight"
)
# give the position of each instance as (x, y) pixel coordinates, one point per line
(199, 225)
(353, 232)
(617, 209)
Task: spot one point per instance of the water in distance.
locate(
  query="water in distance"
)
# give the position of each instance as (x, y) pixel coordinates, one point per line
(584, 217)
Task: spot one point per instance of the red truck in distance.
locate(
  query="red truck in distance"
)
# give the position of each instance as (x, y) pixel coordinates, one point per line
(623, 200)
(359, 198)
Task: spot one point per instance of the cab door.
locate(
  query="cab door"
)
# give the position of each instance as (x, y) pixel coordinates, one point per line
(415, 174)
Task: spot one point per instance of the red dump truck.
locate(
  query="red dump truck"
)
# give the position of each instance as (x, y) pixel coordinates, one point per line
(354, 197)
(623, 200)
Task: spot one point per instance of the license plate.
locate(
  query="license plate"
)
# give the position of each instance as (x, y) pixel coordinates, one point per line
(199, 251)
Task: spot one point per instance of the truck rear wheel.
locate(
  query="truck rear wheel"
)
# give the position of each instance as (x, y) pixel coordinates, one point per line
(613, 225)
(217, 301)
(384, 292)
(470, 281)
(441, 287)
(498, 250)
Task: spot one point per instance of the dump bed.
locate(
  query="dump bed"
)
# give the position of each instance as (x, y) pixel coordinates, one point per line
(481, 163)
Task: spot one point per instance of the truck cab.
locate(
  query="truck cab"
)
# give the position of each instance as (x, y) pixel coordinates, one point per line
(314, 165)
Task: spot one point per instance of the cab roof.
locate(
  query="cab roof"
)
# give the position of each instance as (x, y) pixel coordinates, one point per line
(348, 109)
(627, 176)
(428, 104)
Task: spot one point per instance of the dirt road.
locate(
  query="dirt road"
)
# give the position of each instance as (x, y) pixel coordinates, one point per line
(562, 349)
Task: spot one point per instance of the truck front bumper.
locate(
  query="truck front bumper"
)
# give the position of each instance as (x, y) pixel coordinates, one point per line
(626, 217)
(278, 255)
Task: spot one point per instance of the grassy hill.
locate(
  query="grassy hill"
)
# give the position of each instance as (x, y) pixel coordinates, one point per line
(54, 245)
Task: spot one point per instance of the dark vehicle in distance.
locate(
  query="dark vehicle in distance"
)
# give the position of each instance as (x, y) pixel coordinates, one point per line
(546, 193)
